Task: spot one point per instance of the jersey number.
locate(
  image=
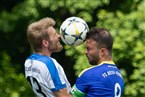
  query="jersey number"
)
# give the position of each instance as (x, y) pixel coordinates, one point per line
(117, 90)
(35, 85)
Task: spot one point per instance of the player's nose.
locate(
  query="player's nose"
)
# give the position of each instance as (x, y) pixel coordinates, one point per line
(58, 35)
(86, 52)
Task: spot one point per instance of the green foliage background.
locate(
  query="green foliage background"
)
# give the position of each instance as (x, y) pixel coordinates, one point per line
(125, 19)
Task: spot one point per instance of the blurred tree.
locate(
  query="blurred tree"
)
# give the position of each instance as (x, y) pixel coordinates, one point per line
(11, 83)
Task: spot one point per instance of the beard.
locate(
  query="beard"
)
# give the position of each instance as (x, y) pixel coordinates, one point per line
(93, 60)
(59, 48)
(55, 47)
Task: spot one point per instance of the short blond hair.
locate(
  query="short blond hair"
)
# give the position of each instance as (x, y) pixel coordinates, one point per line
(37, 31)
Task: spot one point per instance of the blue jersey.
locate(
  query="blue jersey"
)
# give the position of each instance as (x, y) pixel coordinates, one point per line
(45, 75)
(103, 80)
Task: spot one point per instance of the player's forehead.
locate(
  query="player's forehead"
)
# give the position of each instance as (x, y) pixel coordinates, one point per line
(90, 42)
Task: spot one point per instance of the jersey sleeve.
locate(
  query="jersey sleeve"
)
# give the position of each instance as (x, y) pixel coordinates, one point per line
(56, 81)
(76, 92)
(81, 86)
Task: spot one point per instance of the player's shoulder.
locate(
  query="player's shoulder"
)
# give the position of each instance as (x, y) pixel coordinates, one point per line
(36, 56)
(88, 71)
(89, 75)
(41, 58)
(98, 68)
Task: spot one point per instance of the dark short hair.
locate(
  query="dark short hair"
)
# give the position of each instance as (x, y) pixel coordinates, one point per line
(102, 37)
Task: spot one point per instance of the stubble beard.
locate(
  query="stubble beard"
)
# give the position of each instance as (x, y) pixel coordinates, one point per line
(55, 47)
(93, 61)
(59, 48)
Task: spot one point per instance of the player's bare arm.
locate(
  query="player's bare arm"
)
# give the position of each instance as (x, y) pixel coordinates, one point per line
(62, 93)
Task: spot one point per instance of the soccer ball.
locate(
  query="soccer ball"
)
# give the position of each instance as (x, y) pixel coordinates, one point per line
(73, 31)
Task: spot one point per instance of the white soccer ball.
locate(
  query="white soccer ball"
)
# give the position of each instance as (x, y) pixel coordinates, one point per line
(73, 31)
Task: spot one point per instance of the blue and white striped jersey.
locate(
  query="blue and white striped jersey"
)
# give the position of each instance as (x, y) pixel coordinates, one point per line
(45, 75)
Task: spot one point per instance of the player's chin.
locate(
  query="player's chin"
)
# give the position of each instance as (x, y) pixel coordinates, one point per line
(59, 48)
(91, 61)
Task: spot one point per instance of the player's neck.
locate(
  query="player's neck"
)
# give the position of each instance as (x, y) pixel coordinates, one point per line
(109, 58)
(44, 52)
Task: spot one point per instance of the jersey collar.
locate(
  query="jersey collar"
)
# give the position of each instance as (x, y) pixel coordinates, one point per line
(106, 62)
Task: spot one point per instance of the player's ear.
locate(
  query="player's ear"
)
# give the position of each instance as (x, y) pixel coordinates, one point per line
(45, 43)
(102, 52)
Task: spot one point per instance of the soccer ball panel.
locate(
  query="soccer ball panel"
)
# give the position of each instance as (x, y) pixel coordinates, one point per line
(80, 27)
(71, 28)
(64, 25)
(69, 39)
(78, 42)
(83, 35)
